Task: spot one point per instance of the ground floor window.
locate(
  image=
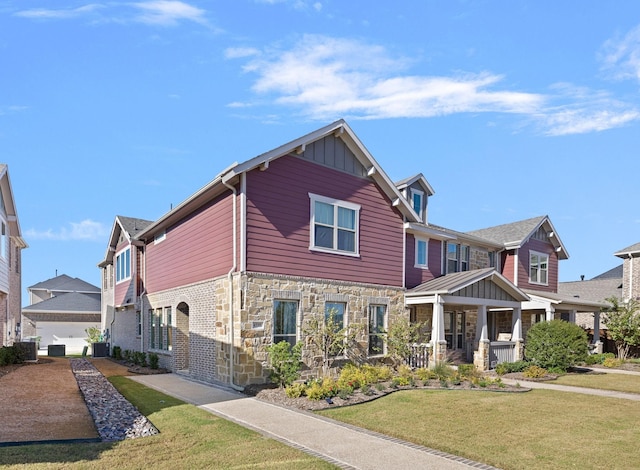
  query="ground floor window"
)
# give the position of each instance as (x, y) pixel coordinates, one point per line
(377, 324)
(285, 315)
(161, 335)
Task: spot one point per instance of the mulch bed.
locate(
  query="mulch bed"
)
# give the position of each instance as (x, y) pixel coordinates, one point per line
(272, 394)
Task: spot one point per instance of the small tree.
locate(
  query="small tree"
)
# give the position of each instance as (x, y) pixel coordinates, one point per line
(623, 322)
(556, 344)
(331, 338)
(285, 362)
(93, 335)
(400, 336)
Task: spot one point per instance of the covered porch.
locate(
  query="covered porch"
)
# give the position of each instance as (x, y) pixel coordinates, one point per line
(472, 316)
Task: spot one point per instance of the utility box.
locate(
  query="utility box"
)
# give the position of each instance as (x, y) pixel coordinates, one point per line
(29, 350)
(99, 349)
(56, 350)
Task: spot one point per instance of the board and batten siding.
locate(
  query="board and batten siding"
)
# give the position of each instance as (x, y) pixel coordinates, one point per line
(416, 276)
(197, 248)
(278, 224)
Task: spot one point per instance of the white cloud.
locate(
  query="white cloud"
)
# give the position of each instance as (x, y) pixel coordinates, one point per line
(168, 12)
(620, 56)
(328, 78)
(44, 13)
(87, 230)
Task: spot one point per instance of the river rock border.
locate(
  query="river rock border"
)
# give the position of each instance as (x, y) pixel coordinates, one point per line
(115, 418)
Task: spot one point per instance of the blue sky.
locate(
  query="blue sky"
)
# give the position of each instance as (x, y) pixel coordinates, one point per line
(511, 109)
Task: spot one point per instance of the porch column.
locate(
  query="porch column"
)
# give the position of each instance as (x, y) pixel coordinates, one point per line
(549, 313)
(438, 340)
(596, 333)
(572, 316)
(481, 356)
(516, 334)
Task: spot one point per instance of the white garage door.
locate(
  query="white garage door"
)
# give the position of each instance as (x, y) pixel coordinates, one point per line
(71, 334)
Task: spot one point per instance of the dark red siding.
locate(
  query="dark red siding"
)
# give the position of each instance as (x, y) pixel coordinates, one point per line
(197, 248)
(278, 215)
(523, 266)
(416, 276)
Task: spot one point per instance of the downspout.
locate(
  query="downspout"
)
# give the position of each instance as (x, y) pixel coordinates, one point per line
(234, 193)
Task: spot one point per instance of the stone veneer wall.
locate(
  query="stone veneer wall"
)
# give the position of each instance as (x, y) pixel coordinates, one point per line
(255, 327)
(478, 258)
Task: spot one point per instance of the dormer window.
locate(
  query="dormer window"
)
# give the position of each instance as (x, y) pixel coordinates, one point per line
(417, 202)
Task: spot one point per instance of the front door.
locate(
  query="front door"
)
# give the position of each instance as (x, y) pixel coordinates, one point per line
(454, 330)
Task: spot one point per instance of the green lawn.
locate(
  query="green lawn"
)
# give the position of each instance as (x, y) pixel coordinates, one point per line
(540, 429)
(189, 438)
(612, 381)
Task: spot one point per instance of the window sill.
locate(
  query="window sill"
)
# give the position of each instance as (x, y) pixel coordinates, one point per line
(334, 252)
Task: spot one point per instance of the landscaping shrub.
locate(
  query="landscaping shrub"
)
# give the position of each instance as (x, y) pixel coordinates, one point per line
(319, 389)
(556, 345)
(285, 362)
(425, 374)
(467, 372)
(511, 367)
(442, 371)
(534, 372)
(9, 355)
(116, 353)
(353, 377)
(612, 362)
(598, 358)
(295, 390)
(153, 360)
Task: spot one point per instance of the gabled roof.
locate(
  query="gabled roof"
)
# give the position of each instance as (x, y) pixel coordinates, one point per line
(613, 273)
(217, 186)
(595, 290)
(451, 283)
(6, 194)
(404, 183)
(567, 301)
(515, 234)
(633, 250)
(64, 283)
(442, 233)
(70, 302)
(131, 226)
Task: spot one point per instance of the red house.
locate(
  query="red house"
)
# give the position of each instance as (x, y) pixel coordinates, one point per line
(312, 227)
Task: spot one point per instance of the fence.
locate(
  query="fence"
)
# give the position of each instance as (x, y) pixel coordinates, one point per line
(419, 356)
(501, 351)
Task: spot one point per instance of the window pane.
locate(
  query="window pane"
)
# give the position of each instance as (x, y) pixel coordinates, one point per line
(284, 321)
(422, 253)
(346, 241)
(338, 312)
(127, 265)
(323, 236)
(346, 218)
(417, 203)
(324, 213)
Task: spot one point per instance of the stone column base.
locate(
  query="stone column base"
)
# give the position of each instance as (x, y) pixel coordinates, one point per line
(439, 353)
(599, 347)
(481, 356)
(518, 351)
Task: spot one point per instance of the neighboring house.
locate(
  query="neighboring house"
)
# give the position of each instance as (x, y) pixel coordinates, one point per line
(60, 311)
(11, 246)
(315, 226)
(122, 284)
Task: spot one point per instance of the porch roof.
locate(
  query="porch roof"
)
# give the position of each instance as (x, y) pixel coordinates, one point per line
(561, 301)
(479, 286)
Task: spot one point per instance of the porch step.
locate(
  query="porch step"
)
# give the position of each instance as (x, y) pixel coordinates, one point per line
(456, 357)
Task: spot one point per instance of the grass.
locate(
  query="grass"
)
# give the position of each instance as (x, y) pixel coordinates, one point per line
(616, 382)
(189, 438)
(540, 429)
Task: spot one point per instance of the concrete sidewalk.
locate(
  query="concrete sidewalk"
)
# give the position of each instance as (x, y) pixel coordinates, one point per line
(343, 445)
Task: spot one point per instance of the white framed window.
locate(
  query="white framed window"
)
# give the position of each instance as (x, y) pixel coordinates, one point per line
(457, 257)
(167, 321)
(422, 252)
(538, 268)
(139, 323)
(3, 241)
(336, 312)
(334, 225)
(123, 265)
(377, 327)
(159, 237)
(285, 319)
(417, 199)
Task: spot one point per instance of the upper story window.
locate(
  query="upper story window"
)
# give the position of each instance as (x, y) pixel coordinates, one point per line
(457, 257)
(3, 241)
(538, 268)
(422, 247)
(334, 225)
(417, 200)
(123, 265)
(159, 237)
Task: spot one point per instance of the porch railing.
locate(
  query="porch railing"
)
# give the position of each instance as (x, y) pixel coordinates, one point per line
(419, 356)
(501, 351)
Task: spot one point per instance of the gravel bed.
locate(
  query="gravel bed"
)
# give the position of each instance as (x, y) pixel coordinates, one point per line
(115, 418)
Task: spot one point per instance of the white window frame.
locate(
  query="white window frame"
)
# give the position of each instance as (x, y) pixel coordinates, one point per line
(159, 237)
(385, 315)
(3, 240)
(420, 210)
(417, 262)
(282, 335)
(541, 257)
(336, 203)
(126, 275)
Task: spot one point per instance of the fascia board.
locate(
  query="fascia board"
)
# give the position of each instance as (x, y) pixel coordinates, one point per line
(429, 232)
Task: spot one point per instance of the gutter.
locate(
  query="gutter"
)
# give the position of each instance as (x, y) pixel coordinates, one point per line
(234, 193)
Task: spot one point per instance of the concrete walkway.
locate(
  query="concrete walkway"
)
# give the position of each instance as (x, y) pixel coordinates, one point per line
(345, 446)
